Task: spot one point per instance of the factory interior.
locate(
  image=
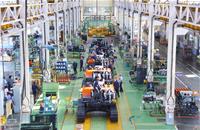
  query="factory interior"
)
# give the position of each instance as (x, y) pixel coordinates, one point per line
(99, 64)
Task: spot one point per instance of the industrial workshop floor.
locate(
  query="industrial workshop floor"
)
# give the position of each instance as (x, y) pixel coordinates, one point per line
(131, 115)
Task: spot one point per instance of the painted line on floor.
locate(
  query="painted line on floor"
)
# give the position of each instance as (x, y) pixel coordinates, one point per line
(150, 124)
(188, 117)
(117, 125)
(129, 111)
(185, 67)
(87, 123)
(193, 67)
(125, 99)
(181, 82)
(131, 91)
(65, 117)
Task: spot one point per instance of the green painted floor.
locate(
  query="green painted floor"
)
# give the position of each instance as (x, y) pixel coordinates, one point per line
(129, 104)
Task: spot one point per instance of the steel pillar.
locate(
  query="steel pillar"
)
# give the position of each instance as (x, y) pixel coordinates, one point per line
(126, 21)
(57, 33)
(24, 54)
(1, 81)
(64, 25)
(69, 23)
(118, 14)
(73, 21)
(132, 27)
(46, 35)
(150, 44)
(123, 20)
(79, 16)
(171, 66)
(139, 44)
(42, 51)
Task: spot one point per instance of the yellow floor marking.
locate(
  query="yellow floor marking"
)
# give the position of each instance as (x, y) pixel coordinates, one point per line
(87, 123)
(129, 111)
(65, 117)
(117, 125)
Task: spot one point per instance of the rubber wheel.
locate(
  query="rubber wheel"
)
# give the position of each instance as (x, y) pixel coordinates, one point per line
(113, 113)
(80, 115)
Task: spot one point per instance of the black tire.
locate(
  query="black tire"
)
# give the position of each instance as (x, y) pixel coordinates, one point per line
(113, 113)
(80, 115)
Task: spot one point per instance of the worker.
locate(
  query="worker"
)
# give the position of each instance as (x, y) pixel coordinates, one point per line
(74, 67)
(87, 91)
(120, 83)
(108, 93)
(157, 55)
(81, 63)
(90, 61)
(34, 90)
(7, 94)
(10, 82)
(41, 107)
(89, 73)
(116, 86)
(96, 85)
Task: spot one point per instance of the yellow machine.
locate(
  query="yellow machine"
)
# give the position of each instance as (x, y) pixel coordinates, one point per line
(99, 31)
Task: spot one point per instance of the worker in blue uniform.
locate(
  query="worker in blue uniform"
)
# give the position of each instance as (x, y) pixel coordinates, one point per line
(116, 87)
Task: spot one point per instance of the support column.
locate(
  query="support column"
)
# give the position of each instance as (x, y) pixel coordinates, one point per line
(132, 34)
(118, 14)
(75, 18)
(151, 43)
(132, 27)
(171, 65)
(64, 25)
(1, 81)
(42, 51)
(24, 54)
(69, 23)
(46, 35)
(57, 32)
(57, 29)
(139, 44)
(73, 21)
(123, 20)
(126, 21)
(79, 16)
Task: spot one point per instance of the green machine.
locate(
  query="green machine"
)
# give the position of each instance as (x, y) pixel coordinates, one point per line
(44, 112)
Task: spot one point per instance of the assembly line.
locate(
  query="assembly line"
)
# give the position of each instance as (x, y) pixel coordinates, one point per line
(99, 65)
